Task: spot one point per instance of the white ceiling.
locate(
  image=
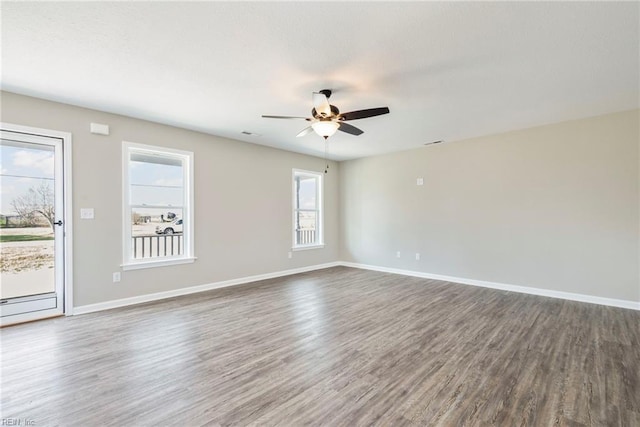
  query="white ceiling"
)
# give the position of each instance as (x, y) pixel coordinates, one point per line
(446, 70)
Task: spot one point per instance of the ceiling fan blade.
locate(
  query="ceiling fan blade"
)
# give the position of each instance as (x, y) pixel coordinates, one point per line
(305, 131)
(321, 104)
(344, 127)
(363, 114)
(286, 117)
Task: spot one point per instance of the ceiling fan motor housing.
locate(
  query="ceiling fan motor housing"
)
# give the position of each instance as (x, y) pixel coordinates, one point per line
(334, 112)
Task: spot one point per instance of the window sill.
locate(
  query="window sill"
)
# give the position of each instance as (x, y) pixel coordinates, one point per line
(305, 248)
(158, 263)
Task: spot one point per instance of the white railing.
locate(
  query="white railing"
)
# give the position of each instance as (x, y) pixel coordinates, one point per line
(164, 245)
(305, 237)
(157, 245)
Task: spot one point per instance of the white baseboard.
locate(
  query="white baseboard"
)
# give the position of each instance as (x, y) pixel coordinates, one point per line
(633, 305)
(90, 308)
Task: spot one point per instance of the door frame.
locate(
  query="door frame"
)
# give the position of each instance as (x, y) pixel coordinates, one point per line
(67, 217)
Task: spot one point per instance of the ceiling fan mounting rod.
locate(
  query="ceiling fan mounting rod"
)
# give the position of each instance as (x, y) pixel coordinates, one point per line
(326, 92)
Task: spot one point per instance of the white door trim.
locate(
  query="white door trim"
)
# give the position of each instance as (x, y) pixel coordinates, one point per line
(68, 202)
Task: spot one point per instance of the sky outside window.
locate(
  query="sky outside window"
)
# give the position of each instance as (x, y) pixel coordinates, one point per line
(154, 184)
(23, 167)
(307, 195)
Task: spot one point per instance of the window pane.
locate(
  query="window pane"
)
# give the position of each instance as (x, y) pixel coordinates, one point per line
(158, 202)
(156, 233)
(306, 228)
(307, 193)
(27, 175)
(156, 196)
(156, 184)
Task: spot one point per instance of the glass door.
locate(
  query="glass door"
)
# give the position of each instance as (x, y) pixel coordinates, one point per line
(31, 227)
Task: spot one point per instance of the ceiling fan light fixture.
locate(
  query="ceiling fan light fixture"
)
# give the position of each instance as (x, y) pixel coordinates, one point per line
(326, 119)
(325, 128)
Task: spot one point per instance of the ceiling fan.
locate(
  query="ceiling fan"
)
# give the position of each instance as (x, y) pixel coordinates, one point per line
(326, 119)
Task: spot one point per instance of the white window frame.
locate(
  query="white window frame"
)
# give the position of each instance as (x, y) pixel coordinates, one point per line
(319, 209)
(187, 211)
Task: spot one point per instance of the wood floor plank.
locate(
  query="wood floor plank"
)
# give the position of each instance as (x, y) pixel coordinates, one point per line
(335, 347)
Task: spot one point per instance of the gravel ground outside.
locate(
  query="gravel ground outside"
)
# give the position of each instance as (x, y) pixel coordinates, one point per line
(26, 256)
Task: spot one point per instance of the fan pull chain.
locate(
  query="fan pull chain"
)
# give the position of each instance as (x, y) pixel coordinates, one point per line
(326, 147)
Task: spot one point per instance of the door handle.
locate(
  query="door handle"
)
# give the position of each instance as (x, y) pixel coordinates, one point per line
(59, 222)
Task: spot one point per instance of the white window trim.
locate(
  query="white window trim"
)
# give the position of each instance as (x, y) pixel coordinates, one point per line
(306, 247)
(320, 200)
(157, 263)
(188, 209)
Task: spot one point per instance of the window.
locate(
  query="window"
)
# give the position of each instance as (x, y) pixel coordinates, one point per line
(158, 206)
(307, 210)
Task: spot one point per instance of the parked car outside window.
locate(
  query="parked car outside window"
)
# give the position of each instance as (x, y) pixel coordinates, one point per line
(173, 227)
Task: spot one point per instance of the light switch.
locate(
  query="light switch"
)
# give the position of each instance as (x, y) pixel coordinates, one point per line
(86, 213)
(420, 181)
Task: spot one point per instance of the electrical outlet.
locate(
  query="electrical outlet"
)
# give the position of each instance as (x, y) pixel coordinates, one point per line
(116, 277)
(398, 254)
(417, 256)
(290, 255)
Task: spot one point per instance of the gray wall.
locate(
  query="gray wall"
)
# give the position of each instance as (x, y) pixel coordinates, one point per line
(553, 207)
(242, 202)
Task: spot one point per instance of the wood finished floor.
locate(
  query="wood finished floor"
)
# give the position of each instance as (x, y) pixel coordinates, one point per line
(334, 347)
